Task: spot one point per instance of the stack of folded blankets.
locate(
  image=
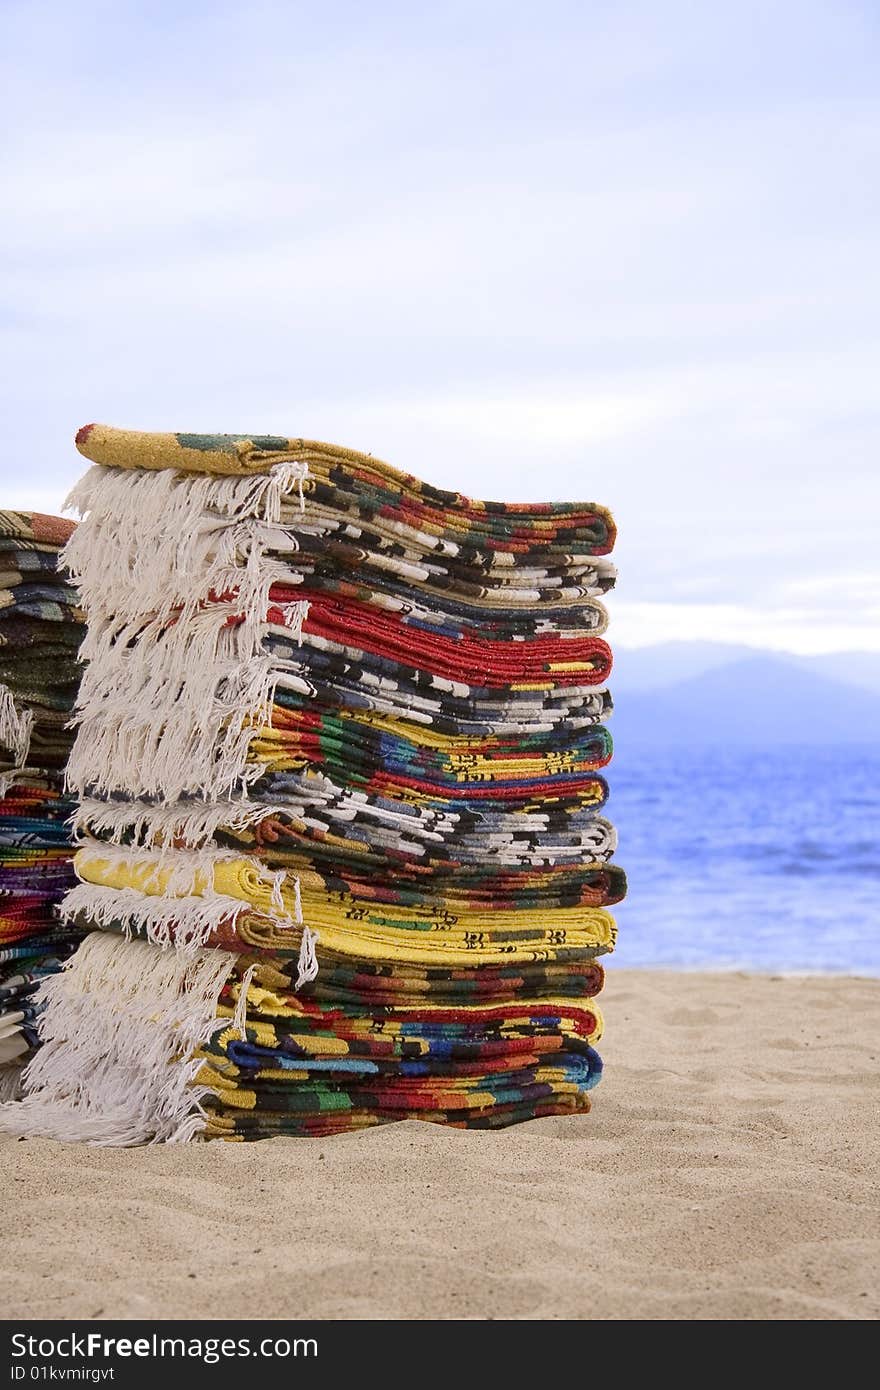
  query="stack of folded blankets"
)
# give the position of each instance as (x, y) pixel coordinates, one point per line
(342, 852)
(41, 627)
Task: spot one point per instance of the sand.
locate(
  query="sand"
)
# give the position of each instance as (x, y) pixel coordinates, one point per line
(728, 1170)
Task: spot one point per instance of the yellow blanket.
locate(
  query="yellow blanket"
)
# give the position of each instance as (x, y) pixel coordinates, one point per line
(353, 927)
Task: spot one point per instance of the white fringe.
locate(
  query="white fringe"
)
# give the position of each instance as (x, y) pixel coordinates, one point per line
(16, 727)
(186, 923)
(188, 824)
(307, 964)
(174, 715)
(119, 1026)
(147, 537)
(174, 571)
(239, 1018)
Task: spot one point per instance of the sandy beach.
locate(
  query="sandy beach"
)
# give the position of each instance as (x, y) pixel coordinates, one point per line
(728, 1170)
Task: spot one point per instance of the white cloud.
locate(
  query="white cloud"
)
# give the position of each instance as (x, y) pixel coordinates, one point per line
(620, 252)
(805, 631)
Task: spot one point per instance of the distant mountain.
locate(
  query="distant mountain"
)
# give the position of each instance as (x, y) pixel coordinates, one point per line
(855, 668)
(759, 701)
(667, 664)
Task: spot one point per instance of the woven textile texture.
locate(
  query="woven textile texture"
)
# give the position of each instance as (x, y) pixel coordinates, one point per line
(41, 627)
(340, 770)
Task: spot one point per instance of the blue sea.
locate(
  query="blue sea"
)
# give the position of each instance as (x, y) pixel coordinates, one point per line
(761, 862)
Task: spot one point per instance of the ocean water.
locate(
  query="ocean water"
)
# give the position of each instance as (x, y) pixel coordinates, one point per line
(757, 861)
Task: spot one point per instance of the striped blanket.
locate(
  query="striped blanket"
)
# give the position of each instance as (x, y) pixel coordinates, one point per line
(339, 773)
(41, 626)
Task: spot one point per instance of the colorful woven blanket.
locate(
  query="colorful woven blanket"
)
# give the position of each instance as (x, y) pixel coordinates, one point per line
(41, 626)
(338, 770)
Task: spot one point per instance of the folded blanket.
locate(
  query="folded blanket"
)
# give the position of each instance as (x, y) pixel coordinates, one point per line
(357, 630)
(34, 531)
(334, 471)
(197, 893)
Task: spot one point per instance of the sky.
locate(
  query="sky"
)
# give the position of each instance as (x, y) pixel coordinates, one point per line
(614, 251)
